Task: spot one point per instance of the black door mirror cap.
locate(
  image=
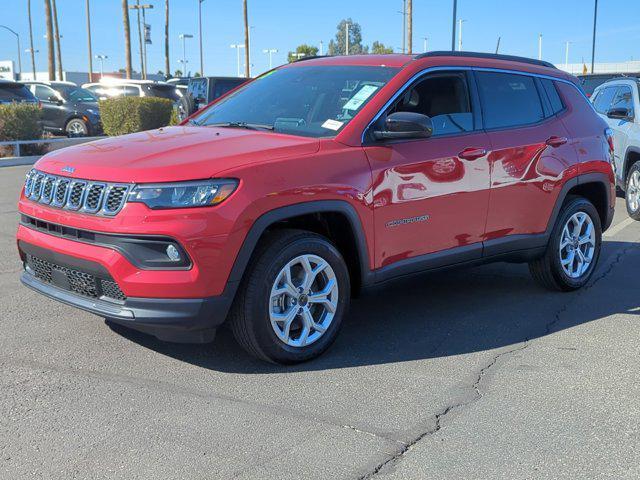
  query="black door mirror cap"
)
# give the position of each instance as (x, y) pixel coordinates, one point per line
(405, 125)
(620, 114)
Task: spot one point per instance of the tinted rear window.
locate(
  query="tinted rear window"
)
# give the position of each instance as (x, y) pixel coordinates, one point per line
(15, 93)
(164, 91)
(552, 95)
(509, 100)
(223, 86)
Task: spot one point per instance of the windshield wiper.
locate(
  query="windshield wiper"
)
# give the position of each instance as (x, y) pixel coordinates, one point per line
(248, 126)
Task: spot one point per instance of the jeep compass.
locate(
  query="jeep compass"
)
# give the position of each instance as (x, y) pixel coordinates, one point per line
(271, 207)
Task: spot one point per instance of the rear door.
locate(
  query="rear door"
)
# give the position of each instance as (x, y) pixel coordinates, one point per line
(530, 153)
(431, 195)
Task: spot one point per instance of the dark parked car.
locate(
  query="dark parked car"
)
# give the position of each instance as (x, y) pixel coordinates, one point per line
(15, 92)
(67, 108)
(204, 90)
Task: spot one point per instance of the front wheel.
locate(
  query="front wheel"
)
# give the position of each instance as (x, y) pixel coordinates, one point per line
(632, 195)
(292, 301)
(76, 128)
(573, 250)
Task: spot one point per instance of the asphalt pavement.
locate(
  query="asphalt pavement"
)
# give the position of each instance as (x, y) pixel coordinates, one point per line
(467, 374)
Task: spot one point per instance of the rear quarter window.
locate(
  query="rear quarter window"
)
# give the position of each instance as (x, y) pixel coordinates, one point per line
(552, 94)
(509, 100)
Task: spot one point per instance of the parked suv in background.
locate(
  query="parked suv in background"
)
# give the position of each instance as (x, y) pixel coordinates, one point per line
(115, 87)
(274, 205)
(15, 92)
(618, 103)
(201, 91)
(67, 108)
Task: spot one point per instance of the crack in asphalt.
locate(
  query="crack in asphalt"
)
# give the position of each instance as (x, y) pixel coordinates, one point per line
(548, 328)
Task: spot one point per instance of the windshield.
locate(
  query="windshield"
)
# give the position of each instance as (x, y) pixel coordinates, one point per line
(76, 94)
(312, 101)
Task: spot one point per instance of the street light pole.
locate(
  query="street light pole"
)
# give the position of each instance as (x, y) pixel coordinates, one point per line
(593, 44)
(566, 56)
(270, 51)
(183, 37)
(321, 48)
(143, 41)
(540, 47)
(89, 43)
(200, 36)
(238, 46)
(19, 50)
(102, 58)
(460, 22)
(346, 38)
(425, 44)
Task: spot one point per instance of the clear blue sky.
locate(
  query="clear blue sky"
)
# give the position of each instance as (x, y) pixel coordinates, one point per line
(283, 24)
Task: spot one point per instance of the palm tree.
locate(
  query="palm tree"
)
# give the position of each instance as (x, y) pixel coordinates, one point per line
(247, 69)
(127, 36)
(167, 69)
(409, 27)
(56, 34)
(33, 54)
(50, 55)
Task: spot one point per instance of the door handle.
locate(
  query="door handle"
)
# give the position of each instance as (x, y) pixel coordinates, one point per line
(472, 153)
(556, 141)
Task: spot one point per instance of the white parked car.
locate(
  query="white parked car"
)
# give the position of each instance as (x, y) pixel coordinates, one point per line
(618, 102)
(115, 87)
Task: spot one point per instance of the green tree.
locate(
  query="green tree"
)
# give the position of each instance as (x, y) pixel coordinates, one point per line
(379, 48)
(338, 45)
(303, 50)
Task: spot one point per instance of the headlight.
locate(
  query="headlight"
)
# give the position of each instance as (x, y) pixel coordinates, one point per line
(200, 193)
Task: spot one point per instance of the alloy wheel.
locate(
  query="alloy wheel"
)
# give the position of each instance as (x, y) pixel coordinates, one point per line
(577, 245)
(633, 191)
(303, 300)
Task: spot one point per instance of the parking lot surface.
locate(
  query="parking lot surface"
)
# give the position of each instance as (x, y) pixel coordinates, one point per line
(470, 374)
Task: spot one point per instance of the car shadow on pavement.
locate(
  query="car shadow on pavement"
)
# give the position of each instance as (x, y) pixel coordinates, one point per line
(439, 314)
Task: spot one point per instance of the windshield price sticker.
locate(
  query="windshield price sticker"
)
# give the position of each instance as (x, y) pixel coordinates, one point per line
(332, 124)
(359, 98)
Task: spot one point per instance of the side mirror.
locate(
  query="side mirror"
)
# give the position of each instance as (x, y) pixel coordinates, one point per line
(54, 99)
(405, 125)
(620, 113)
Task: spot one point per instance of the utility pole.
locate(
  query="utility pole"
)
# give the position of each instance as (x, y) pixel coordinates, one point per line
(346, 38)
(404, 26)
(540, 47)
(102, 58)
(143, 41)
(410, 27)
(200, 36)
(167, 66)
(89, 43)
(127, 36)
(247, 65)
(50, 53)
(593, 44)
(460, 22)
(183, 37)
(238, 46)
(453, 28)
(57, 36)
(31, 50)
(18, 40)
(270, 51)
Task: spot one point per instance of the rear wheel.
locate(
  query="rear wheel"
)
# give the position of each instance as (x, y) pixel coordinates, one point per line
(293, 299)
(573, 250)
(632, 195)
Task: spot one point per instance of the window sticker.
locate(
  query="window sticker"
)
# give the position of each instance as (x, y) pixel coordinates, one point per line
(359, 98)
(332, 124)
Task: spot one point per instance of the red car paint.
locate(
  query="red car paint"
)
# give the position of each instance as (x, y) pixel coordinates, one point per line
(508, 185)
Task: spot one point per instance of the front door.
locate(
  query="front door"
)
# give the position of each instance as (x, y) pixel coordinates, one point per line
(431, 195)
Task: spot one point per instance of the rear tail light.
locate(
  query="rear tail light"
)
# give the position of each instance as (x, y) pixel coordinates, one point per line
(608, 133)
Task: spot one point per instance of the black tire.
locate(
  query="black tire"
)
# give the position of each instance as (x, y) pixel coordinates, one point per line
(76, 127)
(186, 106)
(249, 317)
(547, 270)
(635, 214)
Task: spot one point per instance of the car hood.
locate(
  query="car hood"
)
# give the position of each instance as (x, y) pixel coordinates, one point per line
(173, 154)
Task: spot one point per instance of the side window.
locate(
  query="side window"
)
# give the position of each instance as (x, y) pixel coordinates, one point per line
(552, 94)
(602, 102)
(131, 91)
(223, 87)
(444, 98)
(43, 92)
(623, 99)
(509, 100)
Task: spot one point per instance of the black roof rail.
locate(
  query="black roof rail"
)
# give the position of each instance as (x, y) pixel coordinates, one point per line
(495, 56)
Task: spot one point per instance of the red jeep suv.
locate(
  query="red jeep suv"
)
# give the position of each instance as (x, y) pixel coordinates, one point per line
(276, 203)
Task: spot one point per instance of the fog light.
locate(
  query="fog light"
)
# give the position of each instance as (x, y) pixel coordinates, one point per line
(173, 253)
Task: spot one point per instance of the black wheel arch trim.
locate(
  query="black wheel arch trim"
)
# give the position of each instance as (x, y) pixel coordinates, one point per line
(626, 164)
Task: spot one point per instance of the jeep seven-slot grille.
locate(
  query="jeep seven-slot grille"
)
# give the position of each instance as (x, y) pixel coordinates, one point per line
(76, 281)
(85, 196)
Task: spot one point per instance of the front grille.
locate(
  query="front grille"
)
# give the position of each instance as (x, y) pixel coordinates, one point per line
(82, 195)
(81, 283)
